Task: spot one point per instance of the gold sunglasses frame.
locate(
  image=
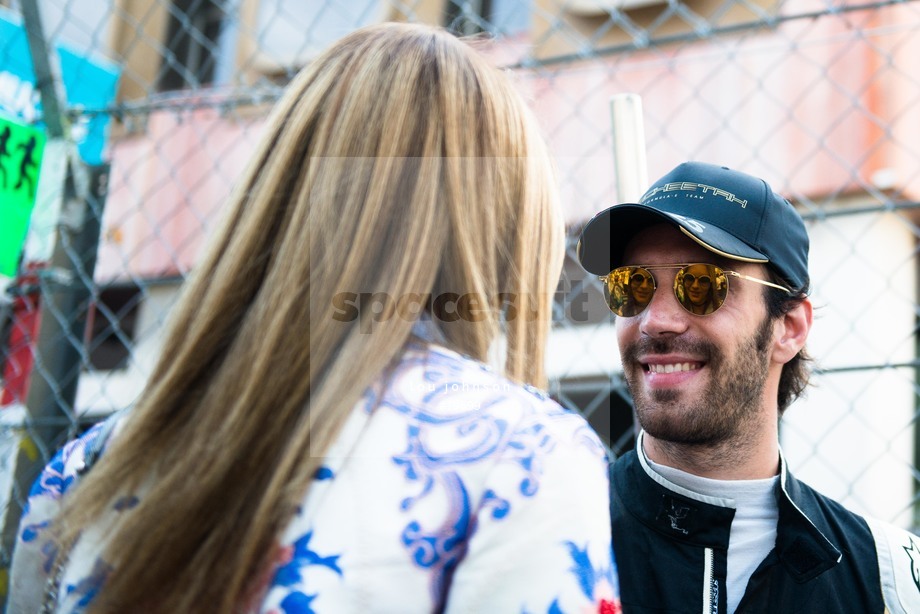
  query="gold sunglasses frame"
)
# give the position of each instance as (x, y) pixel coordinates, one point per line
(726, 272)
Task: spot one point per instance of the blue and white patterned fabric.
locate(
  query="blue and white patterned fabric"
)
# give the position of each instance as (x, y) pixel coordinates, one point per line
(449, 489)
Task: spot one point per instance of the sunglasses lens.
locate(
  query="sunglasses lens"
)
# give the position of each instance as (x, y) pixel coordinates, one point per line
(689, 280)
(701, 288)
(628, 290)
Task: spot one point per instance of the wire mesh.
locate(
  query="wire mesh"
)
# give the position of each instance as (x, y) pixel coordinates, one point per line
(815, 96)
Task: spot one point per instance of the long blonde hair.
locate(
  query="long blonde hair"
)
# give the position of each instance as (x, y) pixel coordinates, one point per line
(399, 161)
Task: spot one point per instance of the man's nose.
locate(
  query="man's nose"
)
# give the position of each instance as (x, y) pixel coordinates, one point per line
(663, 315)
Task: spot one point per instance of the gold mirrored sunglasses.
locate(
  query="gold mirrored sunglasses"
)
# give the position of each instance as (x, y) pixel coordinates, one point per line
(700, 288)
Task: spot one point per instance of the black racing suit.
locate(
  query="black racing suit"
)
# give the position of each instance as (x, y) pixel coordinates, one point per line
(671, 552)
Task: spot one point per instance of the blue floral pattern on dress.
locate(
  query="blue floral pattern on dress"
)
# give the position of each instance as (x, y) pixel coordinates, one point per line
(449, 487)
(291, 574)
(86, 589)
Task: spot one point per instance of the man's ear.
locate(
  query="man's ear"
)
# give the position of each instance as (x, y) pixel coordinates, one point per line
(792, 331)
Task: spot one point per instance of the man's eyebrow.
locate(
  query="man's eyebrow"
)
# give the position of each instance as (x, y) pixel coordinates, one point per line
(726, 264)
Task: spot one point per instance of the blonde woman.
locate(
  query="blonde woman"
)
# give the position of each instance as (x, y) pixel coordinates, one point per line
(321, 433)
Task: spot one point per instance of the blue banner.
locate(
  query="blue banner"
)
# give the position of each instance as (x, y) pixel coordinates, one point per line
(89, 82)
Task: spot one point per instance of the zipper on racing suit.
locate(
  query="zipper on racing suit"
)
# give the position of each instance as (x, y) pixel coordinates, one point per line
(710, 585)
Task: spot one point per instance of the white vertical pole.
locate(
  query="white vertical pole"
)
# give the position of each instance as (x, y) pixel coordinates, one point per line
(629, 164)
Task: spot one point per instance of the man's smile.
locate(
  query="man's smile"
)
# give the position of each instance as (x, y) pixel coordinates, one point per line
(671, 367)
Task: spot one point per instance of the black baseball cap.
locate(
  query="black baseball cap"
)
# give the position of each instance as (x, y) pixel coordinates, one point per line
(728, 212)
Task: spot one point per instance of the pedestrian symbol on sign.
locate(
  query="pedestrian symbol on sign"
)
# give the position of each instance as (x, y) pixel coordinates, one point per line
(20, 160)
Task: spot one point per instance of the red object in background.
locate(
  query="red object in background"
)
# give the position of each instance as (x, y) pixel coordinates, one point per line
(17, 356)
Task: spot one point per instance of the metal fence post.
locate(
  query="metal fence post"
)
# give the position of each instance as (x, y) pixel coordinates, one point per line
(66, 288)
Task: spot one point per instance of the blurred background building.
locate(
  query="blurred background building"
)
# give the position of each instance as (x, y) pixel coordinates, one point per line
(816, 96)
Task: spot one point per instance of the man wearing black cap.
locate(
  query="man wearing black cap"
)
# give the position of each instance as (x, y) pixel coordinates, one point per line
(706, 516)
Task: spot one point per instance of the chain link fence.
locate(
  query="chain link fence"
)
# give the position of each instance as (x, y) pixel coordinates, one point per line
(150, 108)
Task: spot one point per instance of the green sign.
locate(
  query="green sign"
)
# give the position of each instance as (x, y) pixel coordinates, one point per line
(20, 160)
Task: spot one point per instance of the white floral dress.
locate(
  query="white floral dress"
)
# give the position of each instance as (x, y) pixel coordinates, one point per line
(452, 490)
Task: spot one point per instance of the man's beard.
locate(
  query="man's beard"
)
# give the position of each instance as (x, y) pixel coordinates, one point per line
(731, 403)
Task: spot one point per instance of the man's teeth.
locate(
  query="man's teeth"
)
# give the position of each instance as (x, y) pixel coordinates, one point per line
(673, 367)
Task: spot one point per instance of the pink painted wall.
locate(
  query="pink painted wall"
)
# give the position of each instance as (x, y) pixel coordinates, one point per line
(816, 107)
(167, 187)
